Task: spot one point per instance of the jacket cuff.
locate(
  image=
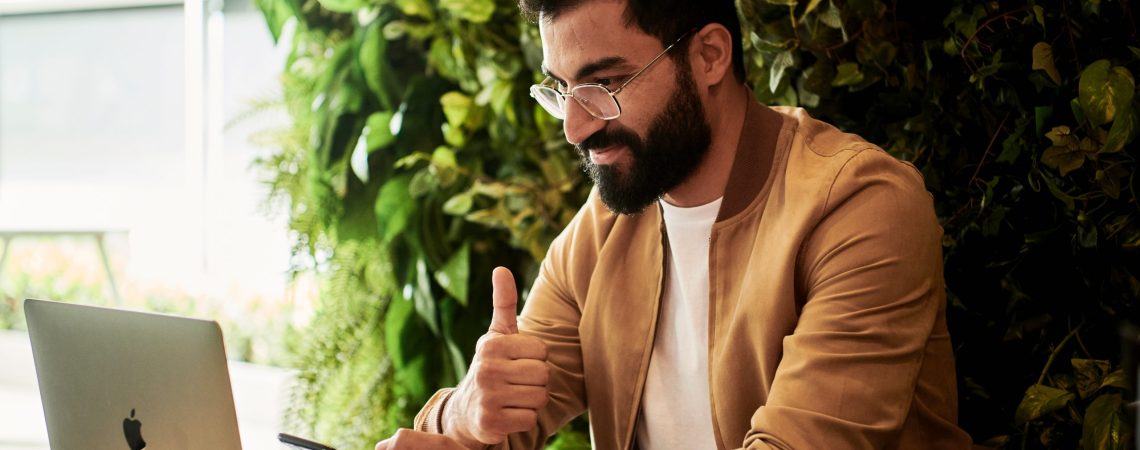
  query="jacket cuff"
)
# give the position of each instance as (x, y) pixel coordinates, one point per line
(430, 418)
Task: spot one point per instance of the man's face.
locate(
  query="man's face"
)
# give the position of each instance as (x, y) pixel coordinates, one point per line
(662, 134)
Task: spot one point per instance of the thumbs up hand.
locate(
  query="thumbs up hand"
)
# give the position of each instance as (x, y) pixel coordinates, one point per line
(504, 319)
(505, 387)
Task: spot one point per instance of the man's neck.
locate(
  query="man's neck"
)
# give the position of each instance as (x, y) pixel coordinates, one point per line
(725, 112)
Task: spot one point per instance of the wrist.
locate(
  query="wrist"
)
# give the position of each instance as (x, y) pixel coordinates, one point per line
(452, 426)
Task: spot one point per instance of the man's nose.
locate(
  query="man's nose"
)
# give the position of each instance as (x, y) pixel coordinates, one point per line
(579, 124)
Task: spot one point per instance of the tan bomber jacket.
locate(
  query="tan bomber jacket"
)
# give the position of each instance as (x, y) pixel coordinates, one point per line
(827, 321)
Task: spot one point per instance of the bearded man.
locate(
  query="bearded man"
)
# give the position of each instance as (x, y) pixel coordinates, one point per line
(740, 277)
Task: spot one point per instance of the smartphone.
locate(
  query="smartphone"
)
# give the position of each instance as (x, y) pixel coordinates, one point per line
(302, 442)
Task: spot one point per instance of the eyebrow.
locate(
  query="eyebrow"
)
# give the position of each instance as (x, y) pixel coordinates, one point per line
(590, 68)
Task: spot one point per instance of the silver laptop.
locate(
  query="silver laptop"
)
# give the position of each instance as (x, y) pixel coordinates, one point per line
(113, 379)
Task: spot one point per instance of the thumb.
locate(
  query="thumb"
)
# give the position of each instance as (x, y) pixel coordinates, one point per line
(505, 300)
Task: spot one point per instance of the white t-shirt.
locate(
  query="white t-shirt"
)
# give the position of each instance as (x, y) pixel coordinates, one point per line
(675, 409)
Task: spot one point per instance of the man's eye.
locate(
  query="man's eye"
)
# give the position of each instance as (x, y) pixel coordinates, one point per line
(604, 81)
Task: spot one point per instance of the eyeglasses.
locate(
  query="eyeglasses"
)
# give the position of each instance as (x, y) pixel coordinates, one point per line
(595, 98)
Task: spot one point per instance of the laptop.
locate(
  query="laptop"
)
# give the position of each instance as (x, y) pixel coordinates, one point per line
(114, 379)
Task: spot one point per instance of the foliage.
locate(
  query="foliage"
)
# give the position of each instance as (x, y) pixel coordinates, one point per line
(1020, 115)
(417, 162)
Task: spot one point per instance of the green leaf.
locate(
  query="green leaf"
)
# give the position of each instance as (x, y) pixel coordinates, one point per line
(444, 158)
(812, 5)
(818, 78)
(1064, 159)
(781, 63)
(343, 6)
(1012, 145)
(1043, 60)
(455, 274)
(277, 13)
(423, 182)
(377, 131)
(1040, 400)
(847, 74)
(1063, 136)
(396, 327)
(1090, 373)
(416, 8)
(1104, 427)
(458, 361)
(568, 440)
(377, 73)
(1104, 90)
(1122, 131)
(876, 54)
(393, 208)
(421, 296)
(456, 106)
(832, 18)
(477, 11)
(459, 204)
(1109, 183)
(1116, 379)
(454, 136)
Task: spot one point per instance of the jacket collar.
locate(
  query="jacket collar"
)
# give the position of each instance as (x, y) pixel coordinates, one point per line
(753, 161)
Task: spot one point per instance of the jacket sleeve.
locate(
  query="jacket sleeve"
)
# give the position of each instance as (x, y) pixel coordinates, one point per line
(870, 277)
(552, 312)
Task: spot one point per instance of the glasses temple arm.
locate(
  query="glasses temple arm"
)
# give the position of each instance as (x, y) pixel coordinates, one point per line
(652, 62)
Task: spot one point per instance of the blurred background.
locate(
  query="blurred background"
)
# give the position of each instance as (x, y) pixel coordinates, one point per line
(127, 178)
(333, 180)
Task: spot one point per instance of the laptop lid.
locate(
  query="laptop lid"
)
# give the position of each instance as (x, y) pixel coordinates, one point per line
(113, 379)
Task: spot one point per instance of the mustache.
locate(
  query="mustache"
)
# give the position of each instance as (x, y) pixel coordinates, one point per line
(609, 137)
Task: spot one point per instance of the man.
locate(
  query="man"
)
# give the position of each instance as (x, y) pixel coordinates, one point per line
(740, 277)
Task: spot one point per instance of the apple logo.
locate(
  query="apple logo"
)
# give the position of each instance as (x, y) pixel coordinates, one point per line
(132, 429)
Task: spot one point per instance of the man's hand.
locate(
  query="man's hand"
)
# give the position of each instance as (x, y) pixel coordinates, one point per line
(406, 439)
(506, 384)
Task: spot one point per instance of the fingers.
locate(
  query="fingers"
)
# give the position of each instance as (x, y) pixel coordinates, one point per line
(504, 297)
(527, 372)
(515, 346)
(525, 397)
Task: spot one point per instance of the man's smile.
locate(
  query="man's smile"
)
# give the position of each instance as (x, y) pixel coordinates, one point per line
(607, 155)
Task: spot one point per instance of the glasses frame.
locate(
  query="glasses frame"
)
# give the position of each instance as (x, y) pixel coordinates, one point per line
(544, 86)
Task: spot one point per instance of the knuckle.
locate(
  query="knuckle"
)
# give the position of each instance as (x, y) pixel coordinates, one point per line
(487, 422)
(493, 346)
(399, 438)
(487, 375)
(542, 350)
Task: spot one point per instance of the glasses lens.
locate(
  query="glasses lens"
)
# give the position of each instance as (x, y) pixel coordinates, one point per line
(597, 101)
(550, 100)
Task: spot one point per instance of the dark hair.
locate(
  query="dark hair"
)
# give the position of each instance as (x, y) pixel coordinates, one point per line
(664, 19)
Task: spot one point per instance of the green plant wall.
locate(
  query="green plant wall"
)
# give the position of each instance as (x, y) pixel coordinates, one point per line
(417, 162)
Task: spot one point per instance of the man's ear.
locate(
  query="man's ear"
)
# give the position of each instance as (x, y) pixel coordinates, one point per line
(710, 55)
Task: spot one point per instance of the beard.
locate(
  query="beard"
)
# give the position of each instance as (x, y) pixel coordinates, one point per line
(675, 145)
